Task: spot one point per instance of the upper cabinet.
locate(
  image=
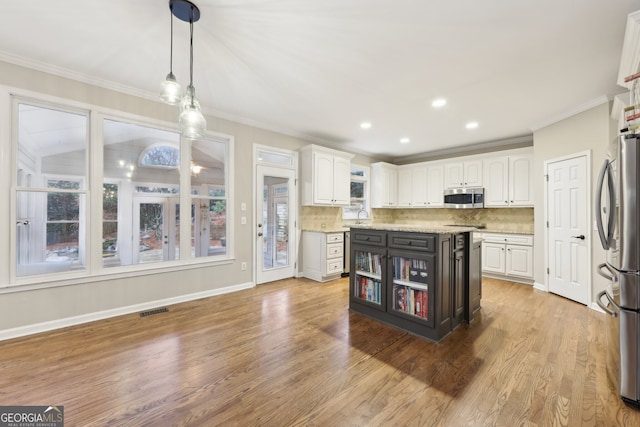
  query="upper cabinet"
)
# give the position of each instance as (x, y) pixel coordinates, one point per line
(507, 181)
(325, 176)
(420, 185)
(384, 185)
(463, 174)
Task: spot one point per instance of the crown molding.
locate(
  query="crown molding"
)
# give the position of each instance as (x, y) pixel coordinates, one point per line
(574, 111)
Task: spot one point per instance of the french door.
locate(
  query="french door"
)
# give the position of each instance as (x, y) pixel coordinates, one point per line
(275, 223)
(156, 233)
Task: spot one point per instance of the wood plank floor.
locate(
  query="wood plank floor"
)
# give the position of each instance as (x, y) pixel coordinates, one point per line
(290, 353)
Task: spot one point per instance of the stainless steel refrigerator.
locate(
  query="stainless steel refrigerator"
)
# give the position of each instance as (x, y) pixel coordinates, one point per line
(618, 223)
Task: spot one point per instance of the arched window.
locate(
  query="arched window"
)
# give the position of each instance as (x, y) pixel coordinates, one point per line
(160, 156)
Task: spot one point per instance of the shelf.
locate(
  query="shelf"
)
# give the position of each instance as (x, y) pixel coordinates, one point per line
(370, 275)
(414, 285)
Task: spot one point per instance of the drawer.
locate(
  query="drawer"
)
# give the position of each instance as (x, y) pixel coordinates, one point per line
(334, 266)
(335, 250)
(512, 239)
(458, 241)
(368, 237)
(413, 241)
(335, 237)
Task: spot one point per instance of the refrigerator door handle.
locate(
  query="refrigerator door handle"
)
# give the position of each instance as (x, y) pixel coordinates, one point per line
(610, 277)
(604, 307)
(605, 170)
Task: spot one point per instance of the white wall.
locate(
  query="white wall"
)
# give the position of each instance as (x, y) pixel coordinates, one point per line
(590, 130)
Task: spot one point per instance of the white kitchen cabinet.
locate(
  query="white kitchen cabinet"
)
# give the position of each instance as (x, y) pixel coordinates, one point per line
(412, 186)
(520, 181)
(420, 185)
(405, 186)
(507, 181)
(384, 185)
(508, 256)
(435, 186)
(463, 174)
(326, 176)
(322, 255)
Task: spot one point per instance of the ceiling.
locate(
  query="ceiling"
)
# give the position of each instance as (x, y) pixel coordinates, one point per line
(316, 69)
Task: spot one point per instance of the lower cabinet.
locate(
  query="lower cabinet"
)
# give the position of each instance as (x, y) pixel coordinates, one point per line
(322, 255)
(409, 280)
(508, 256)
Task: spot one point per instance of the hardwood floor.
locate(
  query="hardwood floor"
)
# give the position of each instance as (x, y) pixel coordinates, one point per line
(290, 353)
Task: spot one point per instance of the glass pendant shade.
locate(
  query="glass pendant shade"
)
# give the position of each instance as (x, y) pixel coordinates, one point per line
(170, 90)
(192, 123)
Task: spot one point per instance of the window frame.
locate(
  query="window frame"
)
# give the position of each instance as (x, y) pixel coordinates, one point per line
(93, 191)
(348, 212)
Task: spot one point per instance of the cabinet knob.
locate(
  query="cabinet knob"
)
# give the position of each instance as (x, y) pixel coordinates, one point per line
(512, 201)
(506, 201)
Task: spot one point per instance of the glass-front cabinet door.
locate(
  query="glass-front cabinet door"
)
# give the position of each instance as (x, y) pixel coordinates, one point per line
(367, 278)
(411, 293)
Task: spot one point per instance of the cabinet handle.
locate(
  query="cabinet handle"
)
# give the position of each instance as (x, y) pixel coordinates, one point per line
(506, 202)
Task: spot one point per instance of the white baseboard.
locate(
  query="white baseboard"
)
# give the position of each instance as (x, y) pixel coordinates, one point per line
(596, 307)
(36, 328)
(539, 286)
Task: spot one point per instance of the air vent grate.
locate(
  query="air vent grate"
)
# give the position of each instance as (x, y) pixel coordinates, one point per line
(154, 311)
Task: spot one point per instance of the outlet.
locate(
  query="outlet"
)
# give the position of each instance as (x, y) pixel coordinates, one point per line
(243, 220)
(243, 206)
(243, 266)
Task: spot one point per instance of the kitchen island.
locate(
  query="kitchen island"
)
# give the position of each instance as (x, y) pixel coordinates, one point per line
(413, 277)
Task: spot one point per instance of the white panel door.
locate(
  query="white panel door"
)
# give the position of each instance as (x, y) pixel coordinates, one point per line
(419, 186)
(341, 179)
(520, 182)
(496, 182)
(405, 187)
(435, 186)
(519, 261)
(493, 257)
(473, 173)
(323, 178)
(567, 213)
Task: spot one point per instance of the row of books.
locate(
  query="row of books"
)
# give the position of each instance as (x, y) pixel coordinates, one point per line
(413, 270)
(366, 261)
(411, 301)
(367, 289)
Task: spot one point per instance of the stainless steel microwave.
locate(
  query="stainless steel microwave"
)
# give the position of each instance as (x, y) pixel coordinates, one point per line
(464, 198)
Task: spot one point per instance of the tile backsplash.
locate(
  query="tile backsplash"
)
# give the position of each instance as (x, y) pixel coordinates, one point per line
(504, 219)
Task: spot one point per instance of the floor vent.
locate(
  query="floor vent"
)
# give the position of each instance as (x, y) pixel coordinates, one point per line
(154, 311)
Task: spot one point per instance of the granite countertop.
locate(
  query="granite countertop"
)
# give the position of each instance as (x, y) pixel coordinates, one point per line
(416, 228)
(530, 233)
(332, 229)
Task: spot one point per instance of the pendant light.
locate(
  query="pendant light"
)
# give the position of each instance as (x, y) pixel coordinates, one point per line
(170, 89)
(191, 121)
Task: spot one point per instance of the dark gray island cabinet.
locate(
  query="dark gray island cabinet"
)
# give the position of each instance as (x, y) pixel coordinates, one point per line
(415, 281)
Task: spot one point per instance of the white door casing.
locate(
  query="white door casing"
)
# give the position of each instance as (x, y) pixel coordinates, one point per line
(568, 218)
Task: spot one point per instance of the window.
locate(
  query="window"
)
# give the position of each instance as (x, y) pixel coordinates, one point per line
(141, 172)
(208, 198)
(51, 191)
(140, 190)
(359, 194)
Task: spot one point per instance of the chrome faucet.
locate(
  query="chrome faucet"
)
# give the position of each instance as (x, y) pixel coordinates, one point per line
(358, 221)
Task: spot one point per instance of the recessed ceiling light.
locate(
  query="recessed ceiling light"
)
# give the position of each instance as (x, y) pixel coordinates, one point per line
(404, 140)
(439, 103)
(365, 125)
(471, 125)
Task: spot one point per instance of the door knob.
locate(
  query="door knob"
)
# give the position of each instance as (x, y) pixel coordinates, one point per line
(581, 237)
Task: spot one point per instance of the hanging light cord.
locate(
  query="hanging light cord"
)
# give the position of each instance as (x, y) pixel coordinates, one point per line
(193, 90)
(171, 48)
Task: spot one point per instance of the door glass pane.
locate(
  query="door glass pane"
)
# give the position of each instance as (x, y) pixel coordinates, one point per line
(151, 233)
(275, 223)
